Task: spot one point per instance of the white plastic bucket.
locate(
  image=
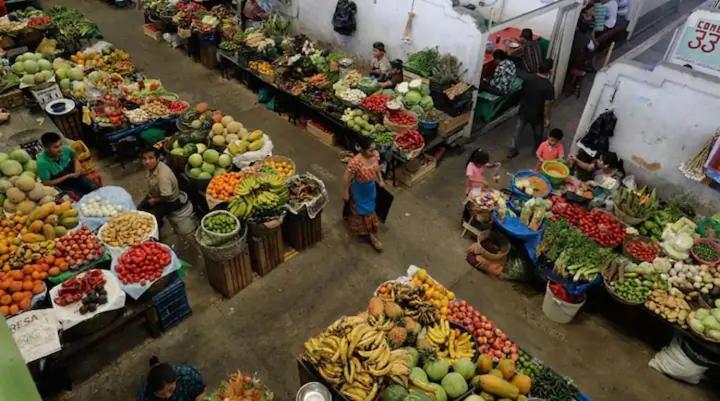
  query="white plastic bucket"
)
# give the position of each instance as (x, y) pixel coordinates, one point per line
(558, 310)
(183, 220)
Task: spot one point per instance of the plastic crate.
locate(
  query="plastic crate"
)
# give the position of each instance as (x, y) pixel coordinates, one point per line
(82, 151)
(171, 304)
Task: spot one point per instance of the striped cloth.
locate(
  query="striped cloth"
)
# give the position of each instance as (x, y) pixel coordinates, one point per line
(601, 14)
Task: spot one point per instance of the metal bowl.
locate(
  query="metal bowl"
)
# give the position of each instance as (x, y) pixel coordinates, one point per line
(313, 391)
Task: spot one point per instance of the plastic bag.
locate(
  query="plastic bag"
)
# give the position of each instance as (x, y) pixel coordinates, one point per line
(69, 315)
(114, 195)
(136, 290)
(672, 361)
(248, 158)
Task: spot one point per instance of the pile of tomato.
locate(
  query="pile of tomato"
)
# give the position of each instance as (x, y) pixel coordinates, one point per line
(603, 228)
(409, 140)
(562, 209)
(402, 118)
(143, 263)
(376, 103)
(641, 250)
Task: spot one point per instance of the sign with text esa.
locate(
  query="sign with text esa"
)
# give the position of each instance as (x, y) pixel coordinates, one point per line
(698, 43)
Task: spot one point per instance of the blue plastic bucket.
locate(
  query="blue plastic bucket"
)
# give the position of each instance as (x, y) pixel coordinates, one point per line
(428, 129)
(517, 192)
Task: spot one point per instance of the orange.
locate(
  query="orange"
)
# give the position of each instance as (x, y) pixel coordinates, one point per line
(54, 271)
(5, 300)
(4, 310)
(25, 304)
(14, 309)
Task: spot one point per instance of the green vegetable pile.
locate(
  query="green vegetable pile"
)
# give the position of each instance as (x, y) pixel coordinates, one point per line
(632, 288)
(220, 223)
(228, 46)
(423, 61)
(705, 252)
(575, 255)
(528, 365)
(550, 386)
(71, 24)
(654, 225)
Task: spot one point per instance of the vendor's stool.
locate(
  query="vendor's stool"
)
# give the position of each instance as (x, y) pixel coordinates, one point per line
(476, 218)
(183, 220)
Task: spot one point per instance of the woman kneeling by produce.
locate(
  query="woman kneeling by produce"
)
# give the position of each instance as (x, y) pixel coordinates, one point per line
(173, 383)
(360, 193)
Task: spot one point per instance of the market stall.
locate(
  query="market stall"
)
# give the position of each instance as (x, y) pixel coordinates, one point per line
(416, 340)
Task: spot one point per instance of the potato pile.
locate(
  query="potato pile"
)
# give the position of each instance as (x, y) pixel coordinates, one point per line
(670, 305)
(127, 228)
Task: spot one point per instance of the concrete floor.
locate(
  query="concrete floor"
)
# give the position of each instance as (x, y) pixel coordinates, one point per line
(262, 328)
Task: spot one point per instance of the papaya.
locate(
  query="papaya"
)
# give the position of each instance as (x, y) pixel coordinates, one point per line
(522, 382)
(31, 238)
(256, 145)
(52, 219)
(69, 213)
(69, 222)
(42, 212)
(63, 207)
(507, 367)
(36, 226)
(255, 135)
(48, 232)
(60, 231)
(499, 387)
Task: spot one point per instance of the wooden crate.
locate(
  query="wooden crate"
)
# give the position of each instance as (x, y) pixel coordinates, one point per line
(266, 252)
(231, 276)
(449, 124)
(302, 232)
(409, 179)
(12, 99)
(326, 137)
(409, 76)
(151, 31)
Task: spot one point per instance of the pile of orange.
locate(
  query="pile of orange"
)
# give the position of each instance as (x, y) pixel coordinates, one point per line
(18, 286)
(435, 293)
(89, 59)
(281, 168)
(10, 227)
(222, 187)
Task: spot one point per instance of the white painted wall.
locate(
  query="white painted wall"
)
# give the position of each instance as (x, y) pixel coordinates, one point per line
(664, 116)
(542, 25)
(435, 24)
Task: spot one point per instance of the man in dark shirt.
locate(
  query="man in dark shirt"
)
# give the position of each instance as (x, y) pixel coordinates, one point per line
(535, 103)
(531, 52)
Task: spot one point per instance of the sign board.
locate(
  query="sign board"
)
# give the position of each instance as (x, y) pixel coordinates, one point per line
(698, 43)
(35, 333)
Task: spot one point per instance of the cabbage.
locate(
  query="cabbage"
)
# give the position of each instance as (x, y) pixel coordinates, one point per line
(425, 89)
(426, 103)
(10, 168)
(415, 84)
(716, 314)
(412, 98)
(702, 313)
(402, 88)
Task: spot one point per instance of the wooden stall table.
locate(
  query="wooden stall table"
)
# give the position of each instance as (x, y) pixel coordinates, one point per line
(507, 40)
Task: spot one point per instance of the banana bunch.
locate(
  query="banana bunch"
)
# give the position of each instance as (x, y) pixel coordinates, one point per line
(262, 194)
(450, 344)
(382, 323)
(354, 356)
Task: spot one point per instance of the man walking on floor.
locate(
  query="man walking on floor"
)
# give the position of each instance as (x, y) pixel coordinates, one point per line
(535, 104)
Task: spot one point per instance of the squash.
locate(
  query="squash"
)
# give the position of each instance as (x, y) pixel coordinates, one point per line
(497, 386)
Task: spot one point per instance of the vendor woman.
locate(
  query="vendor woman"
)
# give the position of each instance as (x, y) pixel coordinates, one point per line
(58, 166)
(360, 182)
(172, 383)
(163, 195)
(394, 76)
(380, 65)
(608, 165)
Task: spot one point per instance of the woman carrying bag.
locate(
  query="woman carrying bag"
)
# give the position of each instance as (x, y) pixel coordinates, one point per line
(360, 190)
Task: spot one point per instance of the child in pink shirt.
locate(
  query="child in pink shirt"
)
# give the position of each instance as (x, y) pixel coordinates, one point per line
(551, 148)
(475, 172)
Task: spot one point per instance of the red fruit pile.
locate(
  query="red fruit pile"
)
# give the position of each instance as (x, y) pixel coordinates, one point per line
(79, 247)
(409, 140)
(402, 118)
(143, 263)
(76, 287)
(641, 250)
(491, 340)
(603, 228)
(376, 103)
(562, 209)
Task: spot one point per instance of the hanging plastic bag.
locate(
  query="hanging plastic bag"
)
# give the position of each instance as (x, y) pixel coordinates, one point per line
(344, 17)
(672, 361)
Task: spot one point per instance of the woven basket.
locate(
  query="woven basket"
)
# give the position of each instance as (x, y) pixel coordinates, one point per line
(612, 293)
(628, 239)
(626, 218)
(279, 159)
(504, 247)
(176, 163)
(400, 128)
(218, 239)
(184, 33)
(225, 251)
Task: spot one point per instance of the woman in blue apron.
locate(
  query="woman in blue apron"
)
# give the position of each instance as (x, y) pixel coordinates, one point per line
(360, 193)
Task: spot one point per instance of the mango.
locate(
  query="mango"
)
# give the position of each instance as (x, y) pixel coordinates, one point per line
(36, 226)
(69, 222)
(42, 212)
(69, 213)
(31, 238)
(48, 232)
(60, 231)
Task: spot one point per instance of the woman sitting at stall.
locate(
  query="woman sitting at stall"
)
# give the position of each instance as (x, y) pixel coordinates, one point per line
(172, 383)
(394, 76)
(362, 175)
(503, 77)
(609, 165)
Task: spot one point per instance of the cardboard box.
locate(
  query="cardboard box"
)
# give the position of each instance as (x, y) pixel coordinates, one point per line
(409, 179)
(449, 124)
(320, 133)
(152, 32)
